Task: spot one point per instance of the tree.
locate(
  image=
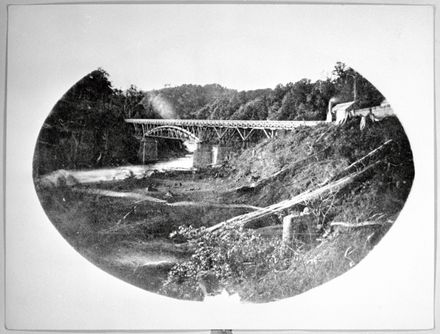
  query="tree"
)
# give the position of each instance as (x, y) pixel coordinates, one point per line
(350, 85)
(288, 107)
(85, 128)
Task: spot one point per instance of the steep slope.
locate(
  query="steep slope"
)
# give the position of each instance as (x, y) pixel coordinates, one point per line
(308, 156)
(332, 232)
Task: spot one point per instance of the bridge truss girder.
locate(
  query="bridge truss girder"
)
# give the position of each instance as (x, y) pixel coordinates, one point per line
(199, 134)
(169, 132)
(206, 130)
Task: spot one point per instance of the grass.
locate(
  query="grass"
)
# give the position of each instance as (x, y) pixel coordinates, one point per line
(121, 235)
(326, 251)
(329, 259)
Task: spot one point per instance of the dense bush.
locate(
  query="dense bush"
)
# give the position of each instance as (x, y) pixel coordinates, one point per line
(86, 128)
(225, 259)
(302, 100)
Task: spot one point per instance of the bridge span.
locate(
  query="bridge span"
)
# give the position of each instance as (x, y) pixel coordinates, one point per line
(200, 130)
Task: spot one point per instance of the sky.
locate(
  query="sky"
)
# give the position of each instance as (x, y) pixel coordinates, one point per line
(237, 46)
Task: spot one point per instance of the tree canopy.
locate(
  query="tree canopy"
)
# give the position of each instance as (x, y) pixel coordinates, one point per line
(86, 127)
(302, 100)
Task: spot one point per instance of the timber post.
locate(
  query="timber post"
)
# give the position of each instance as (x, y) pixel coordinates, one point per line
(288, 230)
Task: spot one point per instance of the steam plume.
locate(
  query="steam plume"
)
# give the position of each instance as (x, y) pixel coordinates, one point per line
(161, 106)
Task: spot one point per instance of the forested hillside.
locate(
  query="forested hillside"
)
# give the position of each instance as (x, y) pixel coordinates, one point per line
(86, 127)
(302, 100)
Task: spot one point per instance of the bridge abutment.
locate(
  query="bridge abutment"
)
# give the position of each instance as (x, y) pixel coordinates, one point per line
(224, 153)
(148, 150)
(207, 155)
(203, 155)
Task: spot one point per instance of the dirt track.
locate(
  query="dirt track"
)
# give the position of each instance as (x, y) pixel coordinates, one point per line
(123, 226)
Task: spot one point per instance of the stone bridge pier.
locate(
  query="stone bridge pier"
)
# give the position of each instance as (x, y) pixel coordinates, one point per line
(148, 150)
(207, 155)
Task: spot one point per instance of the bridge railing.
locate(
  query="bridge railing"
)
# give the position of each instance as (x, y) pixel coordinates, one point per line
(272, 125)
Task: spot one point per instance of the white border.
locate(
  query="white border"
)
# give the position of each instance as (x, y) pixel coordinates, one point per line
(386, 291)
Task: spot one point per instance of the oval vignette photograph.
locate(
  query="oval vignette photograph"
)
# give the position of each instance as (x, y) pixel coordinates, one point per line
(191, 191)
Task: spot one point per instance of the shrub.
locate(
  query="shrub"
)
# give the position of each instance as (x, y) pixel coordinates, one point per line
(227, 259)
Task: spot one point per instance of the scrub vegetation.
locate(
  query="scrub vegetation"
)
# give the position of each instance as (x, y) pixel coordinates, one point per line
(191, 234)
(340, 228)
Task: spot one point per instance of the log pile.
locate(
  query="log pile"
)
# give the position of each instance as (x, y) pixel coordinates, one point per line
(345, 177)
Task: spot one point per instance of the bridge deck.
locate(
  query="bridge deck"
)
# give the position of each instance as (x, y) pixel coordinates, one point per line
(268, 125)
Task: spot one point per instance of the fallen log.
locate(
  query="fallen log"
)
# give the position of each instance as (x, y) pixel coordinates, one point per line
(145, 198)
(362, 224)
(242, 220)
(213, 204)
(376, 150)
(356, 163)
(270, 231)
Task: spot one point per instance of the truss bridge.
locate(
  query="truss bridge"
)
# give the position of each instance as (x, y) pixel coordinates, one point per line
(220, 130)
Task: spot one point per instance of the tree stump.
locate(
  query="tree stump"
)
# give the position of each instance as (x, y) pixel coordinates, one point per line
(288, 230)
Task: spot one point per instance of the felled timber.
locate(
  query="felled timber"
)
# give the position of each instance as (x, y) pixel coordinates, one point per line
(145, 198)
(242, 220)
(361, 224)
(358, 163)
